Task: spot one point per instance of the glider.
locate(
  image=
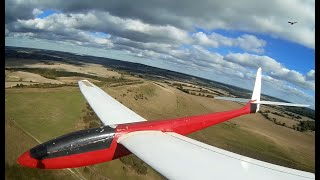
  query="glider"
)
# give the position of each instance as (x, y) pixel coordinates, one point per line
(291, 22)
(161, 143)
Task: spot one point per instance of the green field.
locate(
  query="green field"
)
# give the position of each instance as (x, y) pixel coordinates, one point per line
(45, 114)
(17, 141)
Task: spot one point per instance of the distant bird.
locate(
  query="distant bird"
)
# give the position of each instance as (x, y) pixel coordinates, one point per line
(291, 22)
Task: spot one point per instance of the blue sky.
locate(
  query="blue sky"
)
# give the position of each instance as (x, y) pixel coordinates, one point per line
(222, 41)
(47, 12)
(292, 55)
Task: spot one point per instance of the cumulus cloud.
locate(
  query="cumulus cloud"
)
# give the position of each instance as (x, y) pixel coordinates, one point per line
(251, 60)
(310, 75)
(251, 43)
(36, 12)
(272, 68)
(285, 91)
(246, 42)
(268, 17)
(93, 39)
(104, 22)
(57, 28)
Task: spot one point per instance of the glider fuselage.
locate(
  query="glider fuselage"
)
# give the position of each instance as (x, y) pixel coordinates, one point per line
(96, 145)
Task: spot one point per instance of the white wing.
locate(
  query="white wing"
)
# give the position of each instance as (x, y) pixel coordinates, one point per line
(178, 157)
(109, 110)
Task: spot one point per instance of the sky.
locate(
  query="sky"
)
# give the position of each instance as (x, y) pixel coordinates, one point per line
(225, 41)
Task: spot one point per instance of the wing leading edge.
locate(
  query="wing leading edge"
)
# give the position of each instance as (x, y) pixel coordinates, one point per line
(109, 110)
(179, 157)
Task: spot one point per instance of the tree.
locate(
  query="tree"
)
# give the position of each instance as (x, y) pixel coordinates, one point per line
(307, 125)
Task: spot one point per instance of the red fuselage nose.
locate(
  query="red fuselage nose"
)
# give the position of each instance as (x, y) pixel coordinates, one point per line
(80, 148)
(26, 160)
(73, 161)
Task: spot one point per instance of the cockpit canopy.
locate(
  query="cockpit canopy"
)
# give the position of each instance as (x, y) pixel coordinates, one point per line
(76, 142)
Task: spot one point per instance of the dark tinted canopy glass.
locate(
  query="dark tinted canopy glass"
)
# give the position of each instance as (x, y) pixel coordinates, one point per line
(75, 142)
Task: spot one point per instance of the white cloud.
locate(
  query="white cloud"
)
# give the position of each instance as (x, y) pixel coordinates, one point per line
(272, 68)
(246, 42)
(202, 39)
(36, 12)
(250, 60)
(268, 17)
(104, 22)
(311, 75)
(87, 37)
(282, 90)
(251, 43)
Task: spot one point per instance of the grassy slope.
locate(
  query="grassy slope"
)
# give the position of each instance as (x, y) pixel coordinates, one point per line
(16, 143)
(48, 113)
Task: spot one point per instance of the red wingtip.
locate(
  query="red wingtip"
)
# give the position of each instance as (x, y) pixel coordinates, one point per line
(26, 160)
